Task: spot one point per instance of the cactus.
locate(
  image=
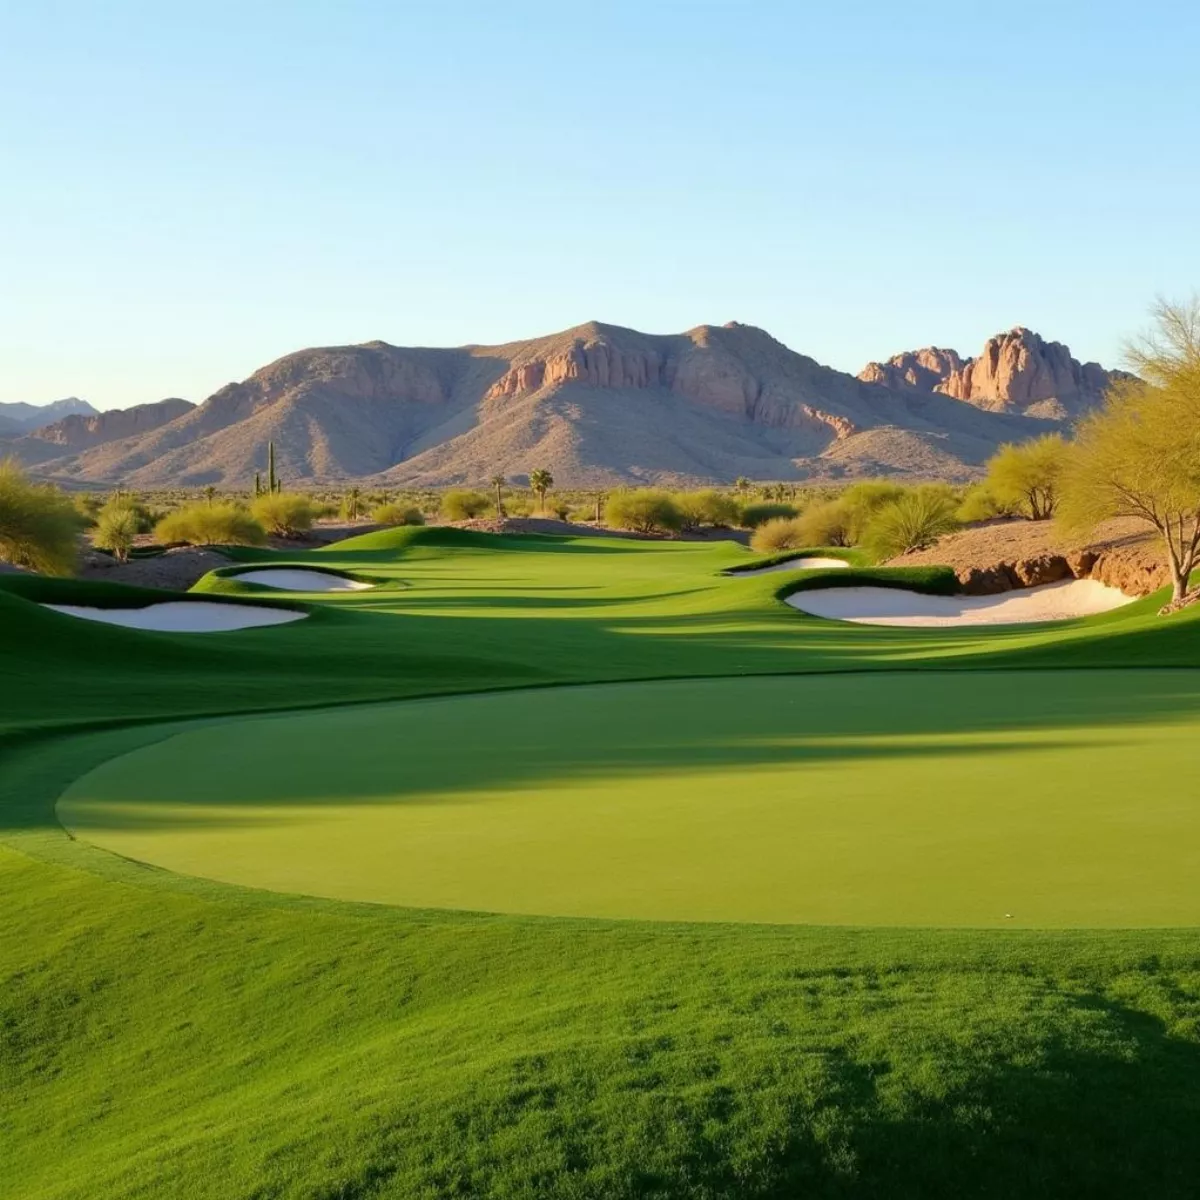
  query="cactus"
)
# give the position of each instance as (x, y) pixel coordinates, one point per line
(257, 483)
(272, 481)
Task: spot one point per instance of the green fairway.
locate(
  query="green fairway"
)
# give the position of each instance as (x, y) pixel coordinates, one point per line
(504, 745)
(1029, 799)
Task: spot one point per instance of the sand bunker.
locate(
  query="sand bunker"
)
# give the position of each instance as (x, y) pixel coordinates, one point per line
(184, 616)
(894, 606)
(294, 579)
(797, 564)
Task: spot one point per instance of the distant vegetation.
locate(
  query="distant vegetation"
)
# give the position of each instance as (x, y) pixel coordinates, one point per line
(460, 505)
(398, 514)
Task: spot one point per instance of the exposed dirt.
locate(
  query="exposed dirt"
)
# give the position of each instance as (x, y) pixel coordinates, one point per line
(997, 556)
(176, 570)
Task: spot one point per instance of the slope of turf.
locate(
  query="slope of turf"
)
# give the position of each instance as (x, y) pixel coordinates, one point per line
(853, 799)
(168, 1037)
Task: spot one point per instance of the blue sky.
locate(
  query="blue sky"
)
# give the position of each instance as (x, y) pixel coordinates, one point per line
(189, 191)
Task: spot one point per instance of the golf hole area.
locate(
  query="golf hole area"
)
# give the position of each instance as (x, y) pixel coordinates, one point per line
(985, 799)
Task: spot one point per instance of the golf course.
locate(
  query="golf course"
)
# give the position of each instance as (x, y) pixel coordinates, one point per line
(445, 863)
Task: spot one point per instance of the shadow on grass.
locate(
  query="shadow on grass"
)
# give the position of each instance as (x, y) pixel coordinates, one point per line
(462, 750)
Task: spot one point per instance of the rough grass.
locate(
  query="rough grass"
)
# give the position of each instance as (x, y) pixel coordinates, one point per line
(161, 1036)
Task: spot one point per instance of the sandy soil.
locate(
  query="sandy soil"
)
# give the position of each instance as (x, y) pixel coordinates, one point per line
(797, 564)
(184, 616)
(1060, 601)
(997, 555)
(294, 579)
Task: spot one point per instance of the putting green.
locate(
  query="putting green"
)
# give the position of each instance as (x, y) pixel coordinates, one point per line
(998, 799)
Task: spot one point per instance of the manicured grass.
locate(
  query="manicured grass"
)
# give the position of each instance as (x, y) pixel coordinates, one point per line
(822, 799)
(167, 1036)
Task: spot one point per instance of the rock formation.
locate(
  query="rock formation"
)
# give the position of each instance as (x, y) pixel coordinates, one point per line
(1017, 372)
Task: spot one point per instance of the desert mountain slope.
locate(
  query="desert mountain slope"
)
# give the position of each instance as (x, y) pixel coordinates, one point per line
(1017, 372)
(598, 404)
(78, 431)
(16, 419)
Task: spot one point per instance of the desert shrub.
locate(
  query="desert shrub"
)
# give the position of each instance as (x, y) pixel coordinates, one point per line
(116, 530)
(122, 502)
(643, 510)
(517, 506)
(916, 519)
(284, 514)
(707, 507)
(462, 505)
(222, 524)
(754, 515)
(39, 526)
(860, 501)
(980, 504)
(781, 533)
(398, 514)
(87, 506)
(1027, 477)
(826, 523)
(560, 509)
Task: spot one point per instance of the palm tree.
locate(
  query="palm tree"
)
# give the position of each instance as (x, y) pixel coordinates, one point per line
(541, 481)
(498, 482)
(353, 501)
(210, 493)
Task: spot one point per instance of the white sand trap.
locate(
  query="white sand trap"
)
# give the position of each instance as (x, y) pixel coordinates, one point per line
(894, 606)
(797, 564)
(184, 616)
(294, 579)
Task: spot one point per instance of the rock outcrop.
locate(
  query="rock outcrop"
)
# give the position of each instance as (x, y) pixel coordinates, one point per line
(1017, 372)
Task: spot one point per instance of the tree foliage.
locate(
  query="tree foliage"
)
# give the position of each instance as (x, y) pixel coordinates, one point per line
(1140, 455)
(643, 510)
(398, 514)
(707, 507)
(284, 514)
(461, 505)
(754, 515)
(39, 526)
(1028, 476)
(541, 481)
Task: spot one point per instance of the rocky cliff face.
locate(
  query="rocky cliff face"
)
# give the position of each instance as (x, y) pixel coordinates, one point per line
(1017, 372)
(77, 432)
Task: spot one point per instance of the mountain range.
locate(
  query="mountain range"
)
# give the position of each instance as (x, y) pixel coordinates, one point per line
(599, 405)
(17, 419)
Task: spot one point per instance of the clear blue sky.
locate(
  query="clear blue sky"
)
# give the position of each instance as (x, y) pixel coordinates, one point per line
(188, 191)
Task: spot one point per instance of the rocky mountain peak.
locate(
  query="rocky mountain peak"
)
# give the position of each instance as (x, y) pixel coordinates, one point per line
(1017, 372)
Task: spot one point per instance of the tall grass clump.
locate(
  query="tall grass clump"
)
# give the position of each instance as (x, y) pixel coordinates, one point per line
(781, 533)
(116, 531)
(284, 514)
(912, 521)
(461, 505)
(754, 515)
(643, 510)
(222, 524)
(39, 526)
(397, 514)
